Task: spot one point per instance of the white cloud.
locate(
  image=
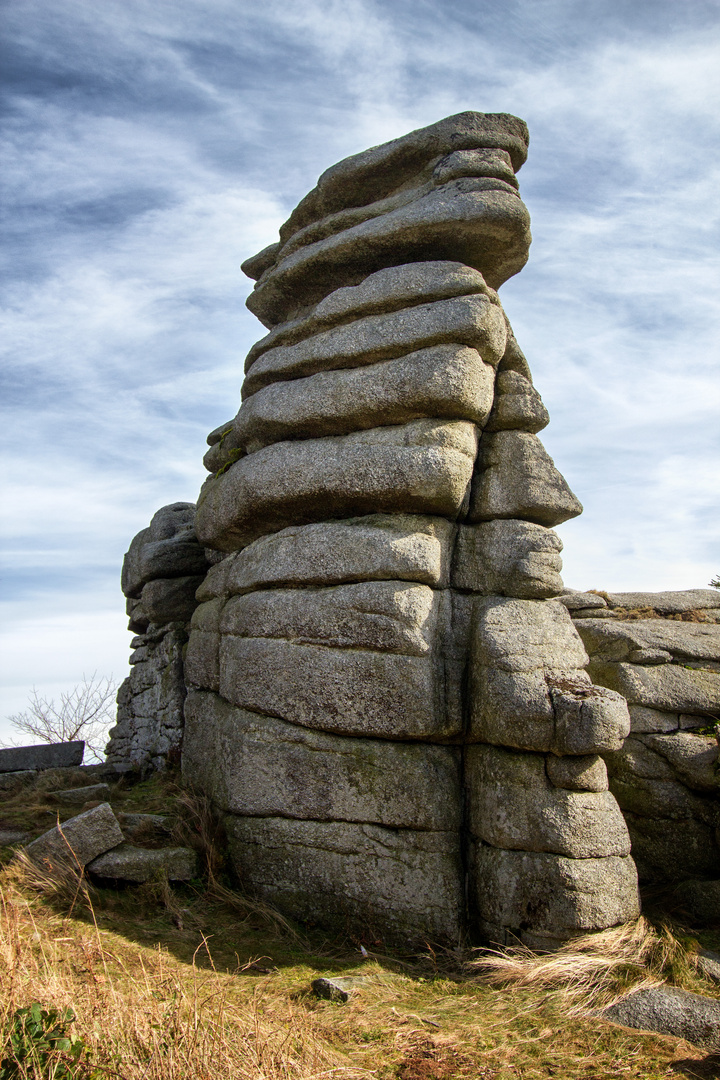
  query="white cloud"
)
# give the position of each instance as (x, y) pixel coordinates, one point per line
(154, 146)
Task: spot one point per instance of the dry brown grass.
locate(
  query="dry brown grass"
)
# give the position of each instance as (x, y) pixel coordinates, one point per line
(593, 971)
(148, 1011)
(142, 1014)
(202, 982)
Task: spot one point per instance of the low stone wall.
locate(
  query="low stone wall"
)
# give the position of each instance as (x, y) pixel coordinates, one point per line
(661, 651)
(162, 569)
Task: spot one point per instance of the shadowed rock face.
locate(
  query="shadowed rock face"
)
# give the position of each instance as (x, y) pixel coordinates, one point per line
(161, 572)
(384, 696)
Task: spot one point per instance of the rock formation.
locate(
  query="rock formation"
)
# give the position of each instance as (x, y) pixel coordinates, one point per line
(161, 573)
(661, 651)
(386, 699)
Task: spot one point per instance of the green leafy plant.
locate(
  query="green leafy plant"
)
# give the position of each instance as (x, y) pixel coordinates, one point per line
(38, 1044)
(715, 582)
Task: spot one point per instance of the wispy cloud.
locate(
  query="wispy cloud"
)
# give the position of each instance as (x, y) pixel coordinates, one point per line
(150, 147)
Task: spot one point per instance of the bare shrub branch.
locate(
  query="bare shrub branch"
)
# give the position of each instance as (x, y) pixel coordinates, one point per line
(85, 712)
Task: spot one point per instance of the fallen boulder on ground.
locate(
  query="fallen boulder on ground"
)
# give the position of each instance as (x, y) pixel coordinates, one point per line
(339, 988)
(708, 963)
(144, 826)
(130, 863)
(79, 796)
(670, 1011)
(8, 837)
(78, 840)
(44, 756)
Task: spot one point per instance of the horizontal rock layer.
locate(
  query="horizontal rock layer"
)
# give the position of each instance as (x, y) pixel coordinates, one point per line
(423, 467)
(402, 884)
(257, 766)
(453, 195)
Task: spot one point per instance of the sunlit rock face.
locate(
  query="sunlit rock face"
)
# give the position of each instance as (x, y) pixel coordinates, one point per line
(385, 698)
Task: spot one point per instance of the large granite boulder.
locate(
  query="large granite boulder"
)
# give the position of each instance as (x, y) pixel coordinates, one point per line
(385, 698)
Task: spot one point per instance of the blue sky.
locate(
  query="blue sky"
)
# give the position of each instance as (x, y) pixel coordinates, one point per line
(150, 146)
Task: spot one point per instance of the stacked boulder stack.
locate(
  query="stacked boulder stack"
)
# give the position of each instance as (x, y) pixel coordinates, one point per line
(385, 696)
(161, 573)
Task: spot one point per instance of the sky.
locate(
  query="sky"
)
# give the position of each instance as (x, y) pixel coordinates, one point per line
(150, 146)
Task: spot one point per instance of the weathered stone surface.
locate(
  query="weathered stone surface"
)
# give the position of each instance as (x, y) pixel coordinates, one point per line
(516, 478)
(140, 827)
(587, 720)
(670, 1011)
(347, 691)
(214, 584)
(207, 615)
(399, 215)
(523, 635)
(643, 720)
(386, 290)
(508, 558)
(150, 701)
(576, 601)
(78, 840)
(161, 573)
(167, 549)
(701, 899)
(79, 796)
(473, 321)
(708, 963)
(692, 758)
(260, 766)
(620, 639)
(497, 163)
(396, 287)
(527, 686)
(12, 780)
(667, 603)
(448, 382)
(340, 987)
(129, 863)
(404, 884)
(588, 773)
(640, 759)
(9, 837)
(42, 756)
(391, 616)
(518, 406)
(525, 710)
(333, 644)
(170, 599)
(422, 467)
(202, 659)
(535, 894)
(377, 172)
(513, 805)
(671, 850)
(404, 229)
(376, 547)
(662, 799)
(595, 613)
(669, 688)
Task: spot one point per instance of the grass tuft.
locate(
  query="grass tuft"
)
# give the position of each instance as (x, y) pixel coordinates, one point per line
(593, 971)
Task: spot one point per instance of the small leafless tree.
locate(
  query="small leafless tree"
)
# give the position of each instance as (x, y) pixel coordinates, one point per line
(85, 712)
